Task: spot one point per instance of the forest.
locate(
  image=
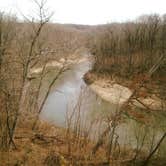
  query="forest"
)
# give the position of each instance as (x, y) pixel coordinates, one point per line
(37, 57)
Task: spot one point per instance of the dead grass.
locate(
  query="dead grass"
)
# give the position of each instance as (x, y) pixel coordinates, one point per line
(47, 145)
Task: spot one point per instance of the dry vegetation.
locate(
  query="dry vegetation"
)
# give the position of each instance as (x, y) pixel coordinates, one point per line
(120, 49)
(24, 45)
(132, 47)
(132, 54)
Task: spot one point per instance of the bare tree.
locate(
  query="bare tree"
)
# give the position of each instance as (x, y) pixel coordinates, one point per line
(7, 36)
(15, 85)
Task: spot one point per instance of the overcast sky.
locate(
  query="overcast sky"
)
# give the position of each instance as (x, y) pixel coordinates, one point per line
(89, 11)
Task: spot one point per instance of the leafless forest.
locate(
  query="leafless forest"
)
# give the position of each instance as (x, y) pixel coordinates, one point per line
(132, 53)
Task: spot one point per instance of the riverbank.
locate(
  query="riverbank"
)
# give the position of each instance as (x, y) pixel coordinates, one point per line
(52, 145)
(118, 90)
(48, 145)
(57, 64)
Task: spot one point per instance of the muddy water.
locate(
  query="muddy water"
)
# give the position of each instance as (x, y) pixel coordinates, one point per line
(65, 94)
(70, 90)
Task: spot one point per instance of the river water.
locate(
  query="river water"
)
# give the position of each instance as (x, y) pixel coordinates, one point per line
(70, 90)
(65, 94)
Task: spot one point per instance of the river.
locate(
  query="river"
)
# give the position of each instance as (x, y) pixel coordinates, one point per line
(70, 90)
